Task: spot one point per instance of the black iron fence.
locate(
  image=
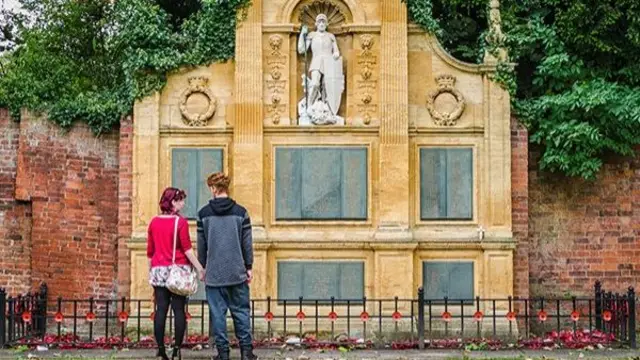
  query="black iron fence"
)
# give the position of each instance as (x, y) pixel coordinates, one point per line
(604, 319)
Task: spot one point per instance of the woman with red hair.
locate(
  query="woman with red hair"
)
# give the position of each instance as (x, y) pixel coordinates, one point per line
(160, 239)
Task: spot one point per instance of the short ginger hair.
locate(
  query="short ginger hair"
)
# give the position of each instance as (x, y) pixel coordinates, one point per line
(219, 181)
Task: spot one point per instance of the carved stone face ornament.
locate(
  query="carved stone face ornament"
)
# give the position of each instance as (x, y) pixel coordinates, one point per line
(275, 41)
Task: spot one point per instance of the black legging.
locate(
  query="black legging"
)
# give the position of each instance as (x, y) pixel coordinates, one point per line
(163, 297)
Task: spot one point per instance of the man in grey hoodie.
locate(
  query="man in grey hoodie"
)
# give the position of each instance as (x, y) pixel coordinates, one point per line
(225, 251)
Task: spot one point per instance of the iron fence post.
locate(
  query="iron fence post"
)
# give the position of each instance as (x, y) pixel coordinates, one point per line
(41, 328)
(598, 305)
(12, 319)
(420, 318)
(631, 302)
(3, 317)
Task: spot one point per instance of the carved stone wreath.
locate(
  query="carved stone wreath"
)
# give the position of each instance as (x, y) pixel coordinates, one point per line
(197, 85)
(446, 84)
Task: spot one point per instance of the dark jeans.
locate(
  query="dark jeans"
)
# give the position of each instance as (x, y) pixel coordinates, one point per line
(164, 298)
(236, 299)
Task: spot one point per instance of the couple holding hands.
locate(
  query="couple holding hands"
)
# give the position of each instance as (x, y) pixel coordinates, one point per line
(225, 257)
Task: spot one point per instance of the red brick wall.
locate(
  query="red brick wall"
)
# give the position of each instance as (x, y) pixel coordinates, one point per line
(71, 180)
(15, 217)
(582, 231)
(520, 206)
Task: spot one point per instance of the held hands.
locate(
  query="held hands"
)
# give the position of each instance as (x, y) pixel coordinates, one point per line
(201, 274)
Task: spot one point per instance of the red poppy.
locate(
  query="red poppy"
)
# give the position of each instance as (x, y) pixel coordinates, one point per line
(478, 316)
(364, 316)
(606, 315)
(300, 316)
(333, 316)
(396, 316)
(575, 316)
(542, 315)
(446, 316)
(90, 317)
(511, 316)
(188, 316)
(123, 316)
(152, 316)
(58, 317)
(268, 316)
(26, 316)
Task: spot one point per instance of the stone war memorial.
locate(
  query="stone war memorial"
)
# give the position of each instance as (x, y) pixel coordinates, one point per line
(391, 192)
(371, 162)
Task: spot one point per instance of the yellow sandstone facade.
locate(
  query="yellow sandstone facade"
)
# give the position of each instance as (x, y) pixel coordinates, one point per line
(405, 103)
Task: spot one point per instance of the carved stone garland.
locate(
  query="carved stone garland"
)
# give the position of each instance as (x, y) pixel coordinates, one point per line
(366, 84)
(446, 84)
(197, 85)
(276, 61)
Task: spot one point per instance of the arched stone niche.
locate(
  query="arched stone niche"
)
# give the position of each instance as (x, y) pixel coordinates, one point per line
(284, 67)
(290, 12)
(337, 12)
(339, 16)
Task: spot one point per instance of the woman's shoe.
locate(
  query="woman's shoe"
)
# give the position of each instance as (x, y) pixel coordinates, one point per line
(162, 354)
(176, 354)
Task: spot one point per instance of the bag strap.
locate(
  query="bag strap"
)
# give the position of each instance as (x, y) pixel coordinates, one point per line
(175, 239)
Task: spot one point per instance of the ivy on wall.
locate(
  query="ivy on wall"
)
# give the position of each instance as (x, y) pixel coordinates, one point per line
(90, 60)
(576, 80)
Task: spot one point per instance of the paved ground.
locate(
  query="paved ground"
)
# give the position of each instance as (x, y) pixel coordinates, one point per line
(316, 355)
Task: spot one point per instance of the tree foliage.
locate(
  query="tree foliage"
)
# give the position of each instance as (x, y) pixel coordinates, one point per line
(90, 60)
(577, 74)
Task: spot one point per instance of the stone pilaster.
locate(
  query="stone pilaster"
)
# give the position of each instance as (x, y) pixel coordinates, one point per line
(247, 173)
(146, 150)
(394, 100)
(497, 121)
(498, 160)
(393, 262)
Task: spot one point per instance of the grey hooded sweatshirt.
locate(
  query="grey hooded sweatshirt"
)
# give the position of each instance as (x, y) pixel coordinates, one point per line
(225, 246)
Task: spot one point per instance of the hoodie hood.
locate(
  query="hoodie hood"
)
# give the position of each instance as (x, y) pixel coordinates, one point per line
(221, 206)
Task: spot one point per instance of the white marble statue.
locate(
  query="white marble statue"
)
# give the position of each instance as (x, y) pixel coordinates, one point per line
(323, 92)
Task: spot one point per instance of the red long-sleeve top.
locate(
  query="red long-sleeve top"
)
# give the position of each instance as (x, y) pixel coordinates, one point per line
(160, 241)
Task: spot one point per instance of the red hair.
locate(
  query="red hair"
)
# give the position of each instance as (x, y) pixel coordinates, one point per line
(169, 195)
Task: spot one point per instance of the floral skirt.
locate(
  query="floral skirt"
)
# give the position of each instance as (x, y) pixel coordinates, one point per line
(158, 275)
